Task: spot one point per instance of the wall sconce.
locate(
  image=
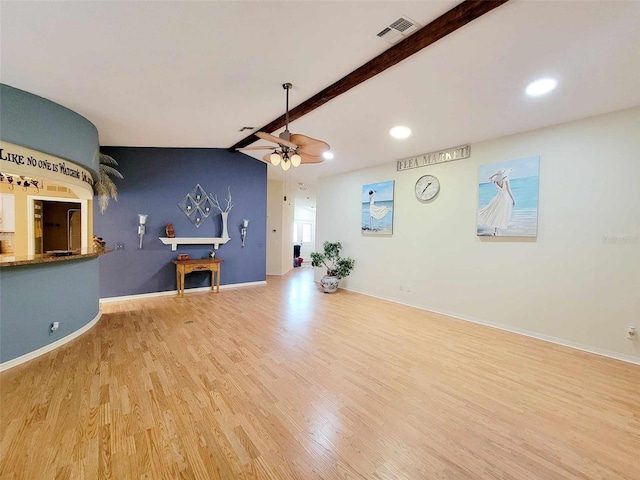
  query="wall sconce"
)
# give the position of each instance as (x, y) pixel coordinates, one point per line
(243, 230)
(142, 221)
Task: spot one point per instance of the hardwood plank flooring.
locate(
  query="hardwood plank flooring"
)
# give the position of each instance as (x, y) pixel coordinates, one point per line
(284, 382)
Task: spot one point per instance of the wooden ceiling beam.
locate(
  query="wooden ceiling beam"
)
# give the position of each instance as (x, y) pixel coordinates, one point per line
(447, 23)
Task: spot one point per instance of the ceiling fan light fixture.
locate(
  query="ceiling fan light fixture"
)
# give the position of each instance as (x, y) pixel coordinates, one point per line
(275, 159)
(328, 155)
(292, 150)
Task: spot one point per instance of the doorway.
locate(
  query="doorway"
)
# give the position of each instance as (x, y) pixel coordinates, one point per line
(61, 226)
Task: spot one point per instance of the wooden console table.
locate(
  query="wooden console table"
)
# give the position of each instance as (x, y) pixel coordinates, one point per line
(187, 266)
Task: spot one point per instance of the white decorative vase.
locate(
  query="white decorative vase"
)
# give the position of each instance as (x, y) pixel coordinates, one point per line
(329, 283)
(225, 217)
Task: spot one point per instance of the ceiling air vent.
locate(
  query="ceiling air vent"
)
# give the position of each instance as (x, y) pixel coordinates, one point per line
(398, 29)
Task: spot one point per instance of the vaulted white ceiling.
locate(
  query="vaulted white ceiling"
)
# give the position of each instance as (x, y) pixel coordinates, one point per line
(192, 74)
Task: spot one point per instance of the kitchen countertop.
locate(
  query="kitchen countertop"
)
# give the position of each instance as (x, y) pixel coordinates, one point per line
(8, 260)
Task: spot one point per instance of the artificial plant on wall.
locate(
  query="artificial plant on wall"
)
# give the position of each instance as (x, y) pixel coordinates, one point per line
(104, 187)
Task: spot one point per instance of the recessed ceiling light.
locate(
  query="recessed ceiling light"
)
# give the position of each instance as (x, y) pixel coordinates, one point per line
(400, 132)
(540, 87)
(327, 155)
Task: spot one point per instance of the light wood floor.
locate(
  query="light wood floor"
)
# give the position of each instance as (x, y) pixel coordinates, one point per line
(284, 382)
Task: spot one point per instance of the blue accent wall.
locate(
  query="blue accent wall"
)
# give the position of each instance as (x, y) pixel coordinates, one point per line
(32, 297)
(155, 181)
(35, 122)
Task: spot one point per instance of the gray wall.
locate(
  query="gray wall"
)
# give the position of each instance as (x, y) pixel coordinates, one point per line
(155, 181)
(34, 296)
(35, 122)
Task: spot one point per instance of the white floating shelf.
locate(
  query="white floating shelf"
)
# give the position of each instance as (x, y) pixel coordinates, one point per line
(174, 242)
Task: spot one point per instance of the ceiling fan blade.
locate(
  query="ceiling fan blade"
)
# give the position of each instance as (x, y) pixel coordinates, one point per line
(309, 146)
(272, 138)
(311, 159)
(259, 147)
(268, 137)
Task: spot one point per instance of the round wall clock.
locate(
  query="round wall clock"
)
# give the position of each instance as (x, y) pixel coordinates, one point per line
(427, 187)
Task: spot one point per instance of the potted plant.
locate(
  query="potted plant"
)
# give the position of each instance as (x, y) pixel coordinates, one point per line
(337, 267)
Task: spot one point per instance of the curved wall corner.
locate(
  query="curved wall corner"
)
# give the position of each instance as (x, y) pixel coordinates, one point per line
(45, 126)
(32, 297)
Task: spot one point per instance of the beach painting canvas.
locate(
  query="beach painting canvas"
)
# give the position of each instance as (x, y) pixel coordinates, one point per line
(377, 208)
(508, 198)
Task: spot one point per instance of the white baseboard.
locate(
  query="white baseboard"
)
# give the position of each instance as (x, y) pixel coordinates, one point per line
(175, 292)
(52, 346)
(519, 331)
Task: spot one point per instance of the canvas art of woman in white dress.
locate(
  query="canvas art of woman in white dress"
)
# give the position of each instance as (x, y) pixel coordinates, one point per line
(375, 211)
(497, 213)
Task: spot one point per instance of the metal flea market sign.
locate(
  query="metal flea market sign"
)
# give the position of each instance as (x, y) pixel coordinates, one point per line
(442, 156)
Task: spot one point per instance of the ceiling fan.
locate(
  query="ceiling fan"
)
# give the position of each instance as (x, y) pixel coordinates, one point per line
(292, 149)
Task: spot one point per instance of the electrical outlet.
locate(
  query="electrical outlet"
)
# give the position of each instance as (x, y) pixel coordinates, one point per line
(401, 288)
(631, 332)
